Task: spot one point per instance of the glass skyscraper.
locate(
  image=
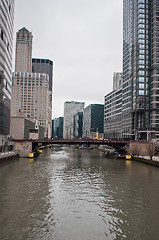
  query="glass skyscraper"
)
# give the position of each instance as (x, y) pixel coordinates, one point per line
(140, 104)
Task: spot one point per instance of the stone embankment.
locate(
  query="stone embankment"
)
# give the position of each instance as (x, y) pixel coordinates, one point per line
(7, 155)
(147, 160)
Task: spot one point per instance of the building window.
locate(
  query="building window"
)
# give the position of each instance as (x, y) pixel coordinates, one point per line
(141, 85)
(141, 92)
(141, 79)
(141, 73)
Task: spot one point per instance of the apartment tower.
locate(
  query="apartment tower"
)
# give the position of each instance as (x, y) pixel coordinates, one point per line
(6, 50)
(140, 104)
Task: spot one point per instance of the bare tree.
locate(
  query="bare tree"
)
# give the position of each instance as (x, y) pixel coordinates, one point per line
(142, 149)
(150, 147)
(134, 149)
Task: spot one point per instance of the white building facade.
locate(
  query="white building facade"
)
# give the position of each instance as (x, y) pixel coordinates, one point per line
(30, 94)
(113, 109)
(6, 51)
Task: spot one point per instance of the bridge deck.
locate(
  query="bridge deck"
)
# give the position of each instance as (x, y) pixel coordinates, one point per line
(74, 141)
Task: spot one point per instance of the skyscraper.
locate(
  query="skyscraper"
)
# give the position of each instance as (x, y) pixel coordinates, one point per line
(23, 61)
(45, 66)
(6, 50)
(140, 105)
(30, 91)
(140, 87)
(57, 128)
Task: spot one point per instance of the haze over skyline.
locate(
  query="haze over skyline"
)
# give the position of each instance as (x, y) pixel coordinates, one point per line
(82, 38)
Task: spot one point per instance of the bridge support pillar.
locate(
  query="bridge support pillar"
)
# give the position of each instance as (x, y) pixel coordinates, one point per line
(23, 148)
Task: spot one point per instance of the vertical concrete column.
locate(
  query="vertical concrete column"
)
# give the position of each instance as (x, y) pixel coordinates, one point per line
(23, 148)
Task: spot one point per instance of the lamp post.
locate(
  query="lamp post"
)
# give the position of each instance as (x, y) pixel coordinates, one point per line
(134, 132)
(148, 128)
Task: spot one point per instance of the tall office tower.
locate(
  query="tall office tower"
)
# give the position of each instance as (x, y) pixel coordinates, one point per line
(140, 108)
(70, 109)
(30, 95)
(57, 128)
(6, 49)
(93, 120)
(113, 109)
(23, 61)
(43, 66)
(30, 91)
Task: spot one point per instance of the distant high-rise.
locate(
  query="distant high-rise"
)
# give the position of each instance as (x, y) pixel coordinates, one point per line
(23, 61)
(78, 124)
(93, 120)
(70, 109)
(6, 50)
(57, 128)
(43, 66)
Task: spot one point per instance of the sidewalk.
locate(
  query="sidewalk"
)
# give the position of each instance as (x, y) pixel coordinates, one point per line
(154, 158)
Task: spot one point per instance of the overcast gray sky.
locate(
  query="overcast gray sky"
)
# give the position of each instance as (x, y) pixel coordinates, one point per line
(84, 40)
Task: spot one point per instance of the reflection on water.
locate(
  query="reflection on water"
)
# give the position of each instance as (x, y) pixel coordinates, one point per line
(74, 194)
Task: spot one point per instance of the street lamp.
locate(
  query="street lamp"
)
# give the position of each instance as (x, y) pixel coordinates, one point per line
(148, 128)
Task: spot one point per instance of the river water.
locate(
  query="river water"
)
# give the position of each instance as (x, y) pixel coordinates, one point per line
(74, 194)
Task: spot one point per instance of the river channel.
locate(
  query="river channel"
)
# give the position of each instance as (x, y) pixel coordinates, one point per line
(78, 194)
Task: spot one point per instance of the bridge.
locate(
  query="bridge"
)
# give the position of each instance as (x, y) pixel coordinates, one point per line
(25, 146)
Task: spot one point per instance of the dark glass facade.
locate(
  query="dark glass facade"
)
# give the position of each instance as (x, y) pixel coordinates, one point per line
(4, 118)
(43, 66)
(93, 119)
(57, 128)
